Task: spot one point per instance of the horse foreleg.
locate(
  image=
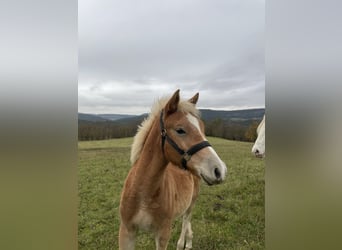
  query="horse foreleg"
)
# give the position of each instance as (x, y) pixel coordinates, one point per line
(185, 239)
(126, 238)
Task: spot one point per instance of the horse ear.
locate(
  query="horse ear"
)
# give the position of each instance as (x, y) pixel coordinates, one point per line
(172, 104)
(194, 99)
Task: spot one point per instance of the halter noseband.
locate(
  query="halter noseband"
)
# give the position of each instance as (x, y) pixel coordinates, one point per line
(186, 155)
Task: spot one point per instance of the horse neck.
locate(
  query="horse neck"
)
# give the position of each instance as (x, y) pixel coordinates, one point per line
(152, 163)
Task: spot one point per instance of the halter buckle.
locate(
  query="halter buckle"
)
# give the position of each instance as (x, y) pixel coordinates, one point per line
(186, 156)
(163, 132)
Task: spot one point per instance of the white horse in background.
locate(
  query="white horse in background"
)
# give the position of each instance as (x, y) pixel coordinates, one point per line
(259, 146)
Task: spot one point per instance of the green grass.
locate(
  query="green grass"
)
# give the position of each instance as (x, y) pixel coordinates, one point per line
(226, 216)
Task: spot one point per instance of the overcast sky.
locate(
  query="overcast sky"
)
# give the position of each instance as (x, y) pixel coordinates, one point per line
(132, 52)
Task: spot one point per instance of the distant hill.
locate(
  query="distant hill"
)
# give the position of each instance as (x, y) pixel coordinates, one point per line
(114, 117)
(137, 119)
(233, 115)
(90, 118)
(226, 124)
(208, 115)
(102, 117)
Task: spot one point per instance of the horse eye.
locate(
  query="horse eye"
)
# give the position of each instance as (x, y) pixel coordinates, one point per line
(180, 131)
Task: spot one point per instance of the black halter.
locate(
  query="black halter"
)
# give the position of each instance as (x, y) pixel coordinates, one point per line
(186, 155)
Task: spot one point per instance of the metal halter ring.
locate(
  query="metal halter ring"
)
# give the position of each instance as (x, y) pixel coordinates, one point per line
(186, 156)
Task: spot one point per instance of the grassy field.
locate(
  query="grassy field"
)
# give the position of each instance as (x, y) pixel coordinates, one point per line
(226, 216)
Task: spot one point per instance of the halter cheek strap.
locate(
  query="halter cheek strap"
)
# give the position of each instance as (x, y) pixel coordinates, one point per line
(186, 155)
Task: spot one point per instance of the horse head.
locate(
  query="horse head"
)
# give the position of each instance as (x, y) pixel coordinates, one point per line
(184, 143)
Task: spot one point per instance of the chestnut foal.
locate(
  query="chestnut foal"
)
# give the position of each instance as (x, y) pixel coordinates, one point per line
(169, 155)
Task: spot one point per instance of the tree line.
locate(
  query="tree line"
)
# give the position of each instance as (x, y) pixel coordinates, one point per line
(217, 128)
(232, 130)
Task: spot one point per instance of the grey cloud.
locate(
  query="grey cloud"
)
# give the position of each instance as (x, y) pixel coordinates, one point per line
(151, 48)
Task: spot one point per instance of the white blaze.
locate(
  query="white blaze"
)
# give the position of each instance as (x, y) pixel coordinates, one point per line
(194, 121)
(212, 160)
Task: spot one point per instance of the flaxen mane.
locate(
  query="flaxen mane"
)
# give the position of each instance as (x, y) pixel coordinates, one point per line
(145, 126)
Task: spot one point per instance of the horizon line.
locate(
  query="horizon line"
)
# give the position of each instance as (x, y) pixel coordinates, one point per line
(214, 109)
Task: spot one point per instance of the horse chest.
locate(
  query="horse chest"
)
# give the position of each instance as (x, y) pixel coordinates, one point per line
(181, 207)
(143, 220)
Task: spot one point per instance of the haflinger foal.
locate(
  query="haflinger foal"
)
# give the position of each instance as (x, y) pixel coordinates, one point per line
(170, 155)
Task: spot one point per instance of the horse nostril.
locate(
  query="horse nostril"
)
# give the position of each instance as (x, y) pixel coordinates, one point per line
(217, 173)
(257, 152)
